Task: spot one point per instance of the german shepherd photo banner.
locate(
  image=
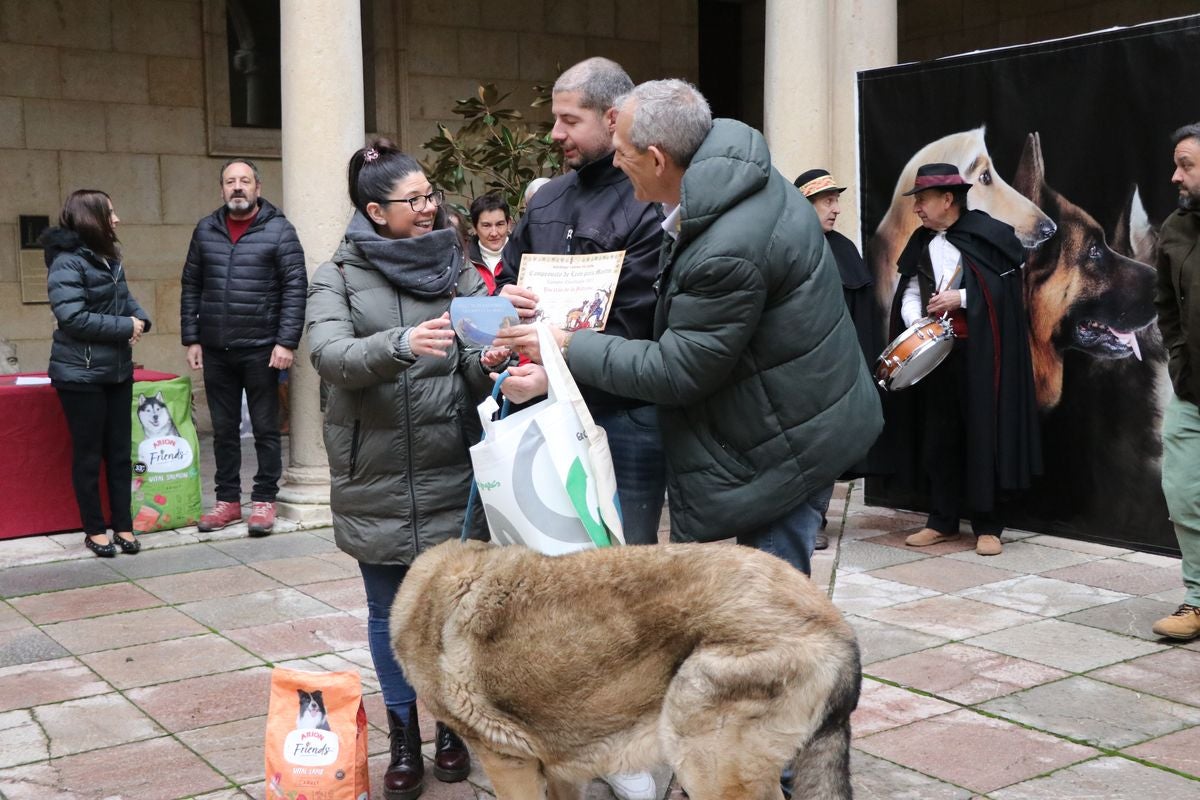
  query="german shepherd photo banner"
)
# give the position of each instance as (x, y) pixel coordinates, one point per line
(1068, 142)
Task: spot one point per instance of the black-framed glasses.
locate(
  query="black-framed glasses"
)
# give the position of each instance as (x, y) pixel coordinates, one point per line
(420, 202)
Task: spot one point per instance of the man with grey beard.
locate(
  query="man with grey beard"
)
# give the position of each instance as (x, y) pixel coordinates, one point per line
(1179, 320)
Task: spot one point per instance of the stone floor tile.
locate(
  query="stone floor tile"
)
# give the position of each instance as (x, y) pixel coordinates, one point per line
(341, 559)
(1132, 617)
(299, 570)
(1103, 778)
(1067, 708)
(172, 560)
(884, 520)
(876, 779)
(22, 741)
(937, 574)
(1046, 597)
(256, 608)
(18, 581)
(1153, 560)
(299, 638)
(36, 549)
(1173, 596)
(882, 707)
(950, 617)
(209, 584)
(1066, 645)
(1079, 545)
(878, 641)
(206, 700)
(859, 592)
(160, 662)
(1021, 556)
(964, 674)
(10, 618)
(122, 630)
(234, 748)
(28, 685)
(864, 556)
(358, 659)
(896, 539)
(1179, 750)
(94, 601)
(1119, 575)
(973, 751)
(234, 794)
(250, 551)
(158, 769)
(91, 723)
(1169, 673)
(347, 594)
(27, 644)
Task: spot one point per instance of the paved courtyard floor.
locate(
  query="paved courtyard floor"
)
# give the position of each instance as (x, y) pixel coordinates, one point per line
(1030, 675)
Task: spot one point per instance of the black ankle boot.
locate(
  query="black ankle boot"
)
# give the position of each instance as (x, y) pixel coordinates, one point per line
(405, 776)
(451, 761)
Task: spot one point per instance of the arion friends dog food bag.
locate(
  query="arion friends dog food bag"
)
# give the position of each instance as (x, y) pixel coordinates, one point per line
(316, 747)
(166, 456)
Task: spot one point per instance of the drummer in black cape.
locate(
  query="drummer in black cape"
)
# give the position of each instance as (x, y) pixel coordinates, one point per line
(971, 429)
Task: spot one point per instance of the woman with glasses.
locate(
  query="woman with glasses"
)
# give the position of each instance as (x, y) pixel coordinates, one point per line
(91, 360)
(400, 412)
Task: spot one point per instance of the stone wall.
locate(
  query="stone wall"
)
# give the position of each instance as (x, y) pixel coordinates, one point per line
(110, 94)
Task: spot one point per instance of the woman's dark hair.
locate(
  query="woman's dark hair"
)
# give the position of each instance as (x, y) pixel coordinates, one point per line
(86, 212)
(447, 217)
(375, 169)
(492, 201)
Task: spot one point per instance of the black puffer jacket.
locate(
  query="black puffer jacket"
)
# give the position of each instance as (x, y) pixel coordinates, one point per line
(246, 295)
(593, 210)
(93, 307)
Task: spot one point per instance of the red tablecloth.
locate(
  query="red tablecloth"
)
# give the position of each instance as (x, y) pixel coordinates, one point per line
(36, 495)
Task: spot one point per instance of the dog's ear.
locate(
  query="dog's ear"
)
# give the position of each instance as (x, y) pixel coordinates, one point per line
(317, 696)
(159, 397)
(141, 399)
(1134, 236)
(1031, 169)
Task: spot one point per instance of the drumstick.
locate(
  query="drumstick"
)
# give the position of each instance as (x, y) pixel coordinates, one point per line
(953, 276)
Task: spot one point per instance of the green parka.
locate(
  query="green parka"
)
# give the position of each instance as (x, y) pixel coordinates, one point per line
(396, 429)
(762, 391)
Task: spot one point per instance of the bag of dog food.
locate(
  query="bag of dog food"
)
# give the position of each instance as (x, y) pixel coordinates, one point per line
(166, 456)
(316, 746)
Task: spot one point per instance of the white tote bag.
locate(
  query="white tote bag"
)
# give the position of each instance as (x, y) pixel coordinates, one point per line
(545, 473)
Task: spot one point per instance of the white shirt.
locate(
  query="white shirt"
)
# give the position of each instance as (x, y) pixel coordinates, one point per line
(670, 225)
(491, 257)
(946, 260)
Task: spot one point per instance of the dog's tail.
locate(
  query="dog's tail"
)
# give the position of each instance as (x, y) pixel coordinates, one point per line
(821, 769)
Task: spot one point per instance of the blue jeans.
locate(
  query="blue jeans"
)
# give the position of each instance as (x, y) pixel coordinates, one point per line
(793, 536)
(382, 581)
(641, 469)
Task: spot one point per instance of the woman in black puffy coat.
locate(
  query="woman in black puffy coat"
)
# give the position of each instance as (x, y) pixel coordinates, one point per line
(91, 360)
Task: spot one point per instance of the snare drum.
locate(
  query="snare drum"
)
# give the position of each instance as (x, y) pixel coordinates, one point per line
(913, 354)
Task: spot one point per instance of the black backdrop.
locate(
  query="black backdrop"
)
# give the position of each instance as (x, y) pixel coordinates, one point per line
(1104, 105)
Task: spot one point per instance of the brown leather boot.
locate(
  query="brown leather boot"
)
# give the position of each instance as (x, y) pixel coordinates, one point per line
(405, 776)
(451, 761)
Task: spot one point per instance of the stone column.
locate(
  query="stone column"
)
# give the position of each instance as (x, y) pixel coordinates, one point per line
(810, 101)
(865, 35)
(323, 123)
(796, 80)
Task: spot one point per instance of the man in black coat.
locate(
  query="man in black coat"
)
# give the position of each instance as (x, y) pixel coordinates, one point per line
(241, 316)
(976, 412)
(858, 287)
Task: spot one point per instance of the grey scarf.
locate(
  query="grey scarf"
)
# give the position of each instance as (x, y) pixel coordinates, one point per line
(425, 265)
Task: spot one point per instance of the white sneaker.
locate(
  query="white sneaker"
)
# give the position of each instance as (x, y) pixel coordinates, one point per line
(632, 785)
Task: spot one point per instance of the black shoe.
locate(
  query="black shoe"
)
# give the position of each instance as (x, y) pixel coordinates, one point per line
(102, 550)
(130, 547)
(451, 761)
(405, 776)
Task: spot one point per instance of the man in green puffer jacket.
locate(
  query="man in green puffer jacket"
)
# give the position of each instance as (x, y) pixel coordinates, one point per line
(762, 393)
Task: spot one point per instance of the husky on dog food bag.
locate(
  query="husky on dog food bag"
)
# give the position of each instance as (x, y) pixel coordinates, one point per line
(316, 746)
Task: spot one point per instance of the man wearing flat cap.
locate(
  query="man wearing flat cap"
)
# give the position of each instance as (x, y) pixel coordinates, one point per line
(858, 287)
(975, 419)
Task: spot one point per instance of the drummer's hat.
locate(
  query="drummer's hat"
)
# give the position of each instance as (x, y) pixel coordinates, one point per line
(816, 181)
(938, 176)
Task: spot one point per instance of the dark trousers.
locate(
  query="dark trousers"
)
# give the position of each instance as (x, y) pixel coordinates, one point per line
(226, 374)
(945, 447)
(100, 422)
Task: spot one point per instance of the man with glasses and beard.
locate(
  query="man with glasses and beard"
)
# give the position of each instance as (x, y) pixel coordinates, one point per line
(242, 313)
(1179, 321)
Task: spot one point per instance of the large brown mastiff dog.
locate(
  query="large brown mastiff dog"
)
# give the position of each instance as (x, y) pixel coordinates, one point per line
(721, 661)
